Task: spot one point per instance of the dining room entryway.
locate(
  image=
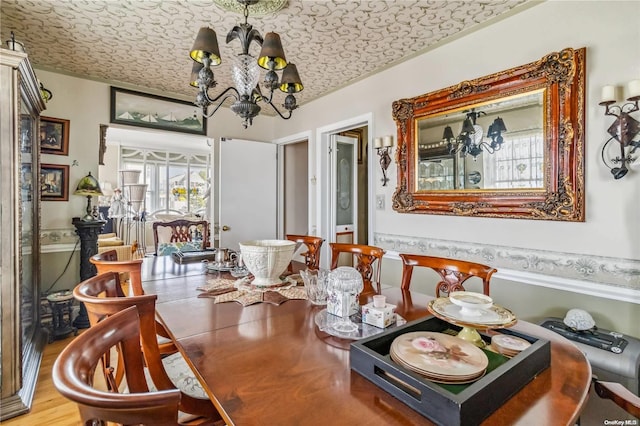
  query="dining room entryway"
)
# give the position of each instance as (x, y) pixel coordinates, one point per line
(355, 129)
(294, 187)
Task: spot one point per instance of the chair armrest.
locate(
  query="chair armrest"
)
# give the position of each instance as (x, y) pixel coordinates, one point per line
(622, 396)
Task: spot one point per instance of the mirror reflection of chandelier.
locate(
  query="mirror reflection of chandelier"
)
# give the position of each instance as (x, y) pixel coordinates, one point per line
(246, 71)
(470, 140)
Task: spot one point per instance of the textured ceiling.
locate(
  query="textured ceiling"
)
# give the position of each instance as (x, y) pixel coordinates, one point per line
(145, 44)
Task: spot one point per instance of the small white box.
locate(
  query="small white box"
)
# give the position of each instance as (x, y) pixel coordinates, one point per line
(334, 303)
(379, 317)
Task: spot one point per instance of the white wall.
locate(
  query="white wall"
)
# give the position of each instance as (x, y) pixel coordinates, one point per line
(611, 34)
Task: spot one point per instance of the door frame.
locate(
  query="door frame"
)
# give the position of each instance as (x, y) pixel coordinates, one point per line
(298, 137)
(335, 229)
(323, 176)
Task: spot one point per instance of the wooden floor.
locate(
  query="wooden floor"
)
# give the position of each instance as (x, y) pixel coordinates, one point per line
(49, 407)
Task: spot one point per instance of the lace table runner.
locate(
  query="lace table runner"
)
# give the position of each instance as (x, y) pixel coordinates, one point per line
(224, 290)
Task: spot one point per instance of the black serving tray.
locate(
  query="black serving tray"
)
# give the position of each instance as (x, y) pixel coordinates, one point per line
(460, 405)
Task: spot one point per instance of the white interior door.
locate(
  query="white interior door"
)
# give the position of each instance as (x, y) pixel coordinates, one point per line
(344, 184)
(247, 189)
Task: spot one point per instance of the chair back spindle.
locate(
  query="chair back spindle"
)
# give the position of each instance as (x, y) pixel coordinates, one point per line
(312, 255)
(453, 272)
(368, 263)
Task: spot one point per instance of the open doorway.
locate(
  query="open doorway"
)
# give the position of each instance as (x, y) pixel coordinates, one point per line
(295, 188)
(173, 180)
(326, 179)
(361, 134)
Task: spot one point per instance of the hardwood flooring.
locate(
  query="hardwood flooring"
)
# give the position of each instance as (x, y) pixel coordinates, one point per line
(49, 407)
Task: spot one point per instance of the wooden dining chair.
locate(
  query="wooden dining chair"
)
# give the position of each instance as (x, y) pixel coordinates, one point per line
(312, 255)
(103, 297)
(453, 272)
(180, 234)
(620, 395)
(73, 373)
(368, 261)
(108, 262)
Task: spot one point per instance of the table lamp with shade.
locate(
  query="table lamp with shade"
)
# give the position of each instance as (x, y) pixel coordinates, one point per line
(88, 187)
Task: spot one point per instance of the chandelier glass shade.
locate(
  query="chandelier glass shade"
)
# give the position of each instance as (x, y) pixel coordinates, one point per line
(245, 72)
(470, 140)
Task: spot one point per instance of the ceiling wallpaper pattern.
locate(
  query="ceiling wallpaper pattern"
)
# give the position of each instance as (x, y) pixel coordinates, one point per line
(145, 44)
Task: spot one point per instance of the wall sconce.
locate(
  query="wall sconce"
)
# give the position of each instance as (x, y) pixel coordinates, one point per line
(624, 129)
(383, 146)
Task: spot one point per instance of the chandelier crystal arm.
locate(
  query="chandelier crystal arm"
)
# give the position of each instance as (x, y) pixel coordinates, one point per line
(222, 97)
(260, 97)
(278, 111)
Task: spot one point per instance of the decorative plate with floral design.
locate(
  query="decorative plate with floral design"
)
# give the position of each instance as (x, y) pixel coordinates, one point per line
(439, 357)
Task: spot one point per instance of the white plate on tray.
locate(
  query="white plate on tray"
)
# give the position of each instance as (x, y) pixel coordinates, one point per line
(493, 316)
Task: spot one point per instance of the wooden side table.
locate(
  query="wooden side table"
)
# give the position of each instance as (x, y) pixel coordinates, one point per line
(61, 326)
(88, 231)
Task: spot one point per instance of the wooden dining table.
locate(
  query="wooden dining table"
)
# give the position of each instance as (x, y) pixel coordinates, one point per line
(269, 364)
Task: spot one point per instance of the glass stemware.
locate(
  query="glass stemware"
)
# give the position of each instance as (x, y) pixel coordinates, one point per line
(315, 283)
(346, 282)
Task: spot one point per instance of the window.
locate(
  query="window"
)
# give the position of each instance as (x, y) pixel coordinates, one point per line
(176, 182)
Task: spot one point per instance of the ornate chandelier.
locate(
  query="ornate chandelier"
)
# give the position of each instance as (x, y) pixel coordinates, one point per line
(246, 72)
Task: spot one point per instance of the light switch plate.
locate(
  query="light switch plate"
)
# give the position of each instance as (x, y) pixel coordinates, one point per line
(380, 202)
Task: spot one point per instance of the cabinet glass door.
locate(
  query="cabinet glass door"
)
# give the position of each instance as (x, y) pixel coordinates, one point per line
(28, 178)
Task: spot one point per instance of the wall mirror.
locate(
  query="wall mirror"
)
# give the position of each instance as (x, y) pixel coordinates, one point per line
(510, 144)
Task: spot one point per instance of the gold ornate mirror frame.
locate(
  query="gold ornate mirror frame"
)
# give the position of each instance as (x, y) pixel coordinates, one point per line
(561, 77)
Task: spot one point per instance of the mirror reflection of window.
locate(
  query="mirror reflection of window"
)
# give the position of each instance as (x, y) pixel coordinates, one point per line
(519, 164)
(482, 164)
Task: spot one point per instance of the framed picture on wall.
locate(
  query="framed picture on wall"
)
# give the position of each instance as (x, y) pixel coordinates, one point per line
(156, 112)
(54, 182)
(54, 136)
